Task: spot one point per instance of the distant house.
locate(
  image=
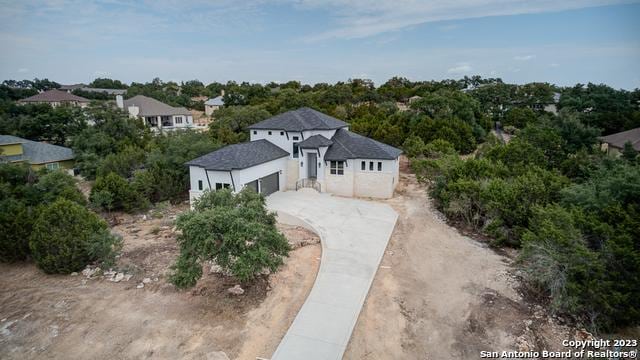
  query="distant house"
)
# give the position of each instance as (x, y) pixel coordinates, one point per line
(213, 104)
(38, 154)
(156, 114)
(55, 98)
(414, 99)
(83, 87)
(614, 143)
(70, 88)
(297, 149)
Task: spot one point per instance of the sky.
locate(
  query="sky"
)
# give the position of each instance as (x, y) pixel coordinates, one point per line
(558, 41)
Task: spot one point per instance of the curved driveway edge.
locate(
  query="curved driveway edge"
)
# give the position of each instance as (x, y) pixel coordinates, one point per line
(354, 234)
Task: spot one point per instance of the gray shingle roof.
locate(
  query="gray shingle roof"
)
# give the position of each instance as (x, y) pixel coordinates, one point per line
(216, 101)
(239, 156)
(314, 142)
(619, 139)
(348, 145)
(152, 107)
(36, 152)
(54, 95)
(106, 91)
(300, 120)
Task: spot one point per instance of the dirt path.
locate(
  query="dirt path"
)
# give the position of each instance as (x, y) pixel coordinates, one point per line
(72, 317)
(441, 295)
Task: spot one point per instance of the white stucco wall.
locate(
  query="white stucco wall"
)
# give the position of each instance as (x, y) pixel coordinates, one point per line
(287, 143)
(237, 178)
(339, 184)
(293, 169)
(374, 183)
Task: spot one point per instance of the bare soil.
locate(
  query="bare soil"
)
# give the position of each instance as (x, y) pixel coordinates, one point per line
(441, 295)
(75, 317)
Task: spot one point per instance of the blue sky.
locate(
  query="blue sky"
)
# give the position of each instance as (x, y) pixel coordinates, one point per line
(559, 41)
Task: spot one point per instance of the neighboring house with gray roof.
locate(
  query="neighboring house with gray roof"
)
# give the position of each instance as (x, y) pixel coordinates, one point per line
(300, 148)
(55, 97)
(614, 144)
(156, 114)
(37, 154)
(213, 104)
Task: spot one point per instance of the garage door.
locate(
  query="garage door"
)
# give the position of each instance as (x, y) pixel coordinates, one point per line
(252, 185)
(270, 184)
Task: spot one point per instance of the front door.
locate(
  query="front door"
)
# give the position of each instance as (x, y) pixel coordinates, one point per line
(312, 166)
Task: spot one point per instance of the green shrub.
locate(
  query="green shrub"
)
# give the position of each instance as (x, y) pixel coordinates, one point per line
(66, 237)
(16, 221)
(58, 184)
(236, 231)
(122, 195)
(413, 146)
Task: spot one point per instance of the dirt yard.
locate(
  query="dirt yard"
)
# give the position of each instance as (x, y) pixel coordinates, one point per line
(441, 295)
(75, 317)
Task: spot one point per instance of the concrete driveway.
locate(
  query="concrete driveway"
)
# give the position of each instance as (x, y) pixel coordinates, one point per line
(354, 234)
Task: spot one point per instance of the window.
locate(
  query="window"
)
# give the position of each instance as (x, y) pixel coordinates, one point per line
(295, 138)
(281, 133)
(226, 186)
(255, 132)
(301, 163)
(218, 186)
(295, 150)
(337, 168)
(379, 165)
(199, 184)
(53, 166)
(363, 165)
(269, 132)
(178, 119)
(370, 165)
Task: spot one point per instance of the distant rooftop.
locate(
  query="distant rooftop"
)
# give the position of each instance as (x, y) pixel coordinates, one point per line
(35, 152)
(619, 139)
(54, 95)
(152, 107)
(216, 101)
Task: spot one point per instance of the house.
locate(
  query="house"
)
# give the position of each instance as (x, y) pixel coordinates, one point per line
(296, 149)
(38, 154)
(156, 114)
(55, 98)
(70, 88)
(614, 144)
(214, 104)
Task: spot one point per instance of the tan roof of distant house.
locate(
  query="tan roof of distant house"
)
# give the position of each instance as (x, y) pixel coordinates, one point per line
(55, 95)
(618, 140)
(152, 107)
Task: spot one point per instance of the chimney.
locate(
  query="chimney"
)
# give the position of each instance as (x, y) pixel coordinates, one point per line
(222, 92)
(119, 101)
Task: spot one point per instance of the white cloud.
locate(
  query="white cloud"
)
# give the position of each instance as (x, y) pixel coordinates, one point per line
(460, 68)
(524, 57)
(23, 70)
(363, 18)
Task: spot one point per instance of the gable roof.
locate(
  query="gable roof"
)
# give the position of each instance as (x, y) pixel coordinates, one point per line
(35, 152)
(152, 107)
(619, 139)
(314, 142)
(239, 156)
(216, 101)
(348, 145)
(300, 120)
(54, 95)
